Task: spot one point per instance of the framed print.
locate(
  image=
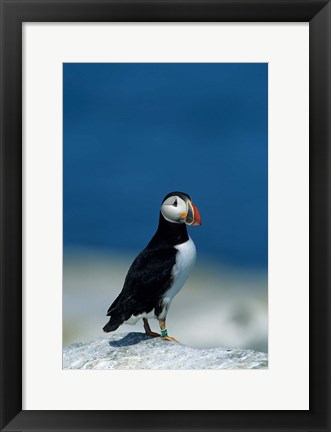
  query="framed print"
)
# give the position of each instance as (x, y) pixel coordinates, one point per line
(108, 110)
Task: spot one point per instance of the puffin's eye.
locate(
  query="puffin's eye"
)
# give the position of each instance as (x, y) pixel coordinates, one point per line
(175, 203)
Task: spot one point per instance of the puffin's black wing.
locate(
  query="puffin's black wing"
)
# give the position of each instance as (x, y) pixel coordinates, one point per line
(149, 276)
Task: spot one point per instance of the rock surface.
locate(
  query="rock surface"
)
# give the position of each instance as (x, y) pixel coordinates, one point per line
(139, 351)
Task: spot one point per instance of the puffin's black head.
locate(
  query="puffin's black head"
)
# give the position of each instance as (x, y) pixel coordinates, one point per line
(178, 208)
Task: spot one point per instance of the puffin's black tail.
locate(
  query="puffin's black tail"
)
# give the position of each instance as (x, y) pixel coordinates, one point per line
(118, 312)
(111, 325)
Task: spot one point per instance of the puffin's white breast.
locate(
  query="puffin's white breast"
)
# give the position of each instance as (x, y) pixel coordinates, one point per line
(185, 260)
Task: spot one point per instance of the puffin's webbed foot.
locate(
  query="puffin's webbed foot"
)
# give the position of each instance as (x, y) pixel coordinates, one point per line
(148, 330)
(169, 338)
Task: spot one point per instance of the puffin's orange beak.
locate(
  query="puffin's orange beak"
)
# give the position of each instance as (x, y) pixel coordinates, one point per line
(193, 215)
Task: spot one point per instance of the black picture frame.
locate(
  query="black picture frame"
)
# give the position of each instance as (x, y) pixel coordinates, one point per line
(13, 14)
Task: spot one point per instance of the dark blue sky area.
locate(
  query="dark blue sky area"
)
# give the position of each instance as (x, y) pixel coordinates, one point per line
(134, 132)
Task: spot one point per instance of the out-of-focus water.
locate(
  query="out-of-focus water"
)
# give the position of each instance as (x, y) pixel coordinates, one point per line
(134, 132)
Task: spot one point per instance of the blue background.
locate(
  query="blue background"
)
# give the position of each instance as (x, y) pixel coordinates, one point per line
(134, 132)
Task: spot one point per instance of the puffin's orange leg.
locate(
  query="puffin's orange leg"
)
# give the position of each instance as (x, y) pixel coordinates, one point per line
(148, 330)
(164, 333)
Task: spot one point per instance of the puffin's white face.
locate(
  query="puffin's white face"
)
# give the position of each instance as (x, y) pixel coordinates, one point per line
(174, 209)
(177, 210)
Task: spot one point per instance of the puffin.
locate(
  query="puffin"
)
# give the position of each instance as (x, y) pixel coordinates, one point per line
(160, 270)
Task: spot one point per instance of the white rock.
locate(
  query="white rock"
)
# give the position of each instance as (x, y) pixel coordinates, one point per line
(139, 351)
